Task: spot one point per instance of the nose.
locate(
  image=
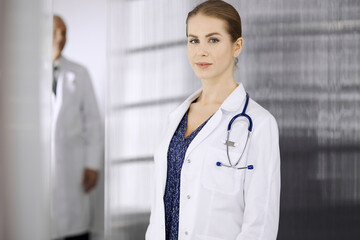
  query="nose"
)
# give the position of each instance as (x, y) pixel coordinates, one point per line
(203, 50)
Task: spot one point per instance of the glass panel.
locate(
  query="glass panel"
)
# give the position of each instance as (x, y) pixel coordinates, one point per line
(130, 205)
(301, 61)
(136, 130)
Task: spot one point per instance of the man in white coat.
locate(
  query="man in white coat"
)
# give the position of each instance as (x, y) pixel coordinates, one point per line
(76, 143)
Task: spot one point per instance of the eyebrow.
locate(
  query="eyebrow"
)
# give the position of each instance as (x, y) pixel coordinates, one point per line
(208, 35)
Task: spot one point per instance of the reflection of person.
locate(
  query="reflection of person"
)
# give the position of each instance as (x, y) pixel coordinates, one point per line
(201, 190)
(76, 142)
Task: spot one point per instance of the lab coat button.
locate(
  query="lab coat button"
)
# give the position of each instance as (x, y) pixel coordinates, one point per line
(189, 161)
(186, 233)
(188, 196)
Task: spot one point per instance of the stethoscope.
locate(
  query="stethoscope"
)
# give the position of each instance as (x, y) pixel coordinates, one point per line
(227, 143)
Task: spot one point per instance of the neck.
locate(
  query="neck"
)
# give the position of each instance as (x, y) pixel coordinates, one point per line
(216, 90)
(56, 57)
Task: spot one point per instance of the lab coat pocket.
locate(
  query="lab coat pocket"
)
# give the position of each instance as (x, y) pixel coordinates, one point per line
(69, 87)
(219, 178)
(71, 83)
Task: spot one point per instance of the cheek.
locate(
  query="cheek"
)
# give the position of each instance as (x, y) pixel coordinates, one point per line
(223, 55)
(57, 37)
(223, 52)
(190, 53)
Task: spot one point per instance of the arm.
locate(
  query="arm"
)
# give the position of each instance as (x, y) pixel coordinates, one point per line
(92, 133)
(262, 185)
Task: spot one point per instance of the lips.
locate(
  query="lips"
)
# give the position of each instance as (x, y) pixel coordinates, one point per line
(203, 65)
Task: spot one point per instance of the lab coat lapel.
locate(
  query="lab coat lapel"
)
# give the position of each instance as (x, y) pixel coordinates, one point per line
(231, 104)
(174, 120)
(58, 99)
(205, 131)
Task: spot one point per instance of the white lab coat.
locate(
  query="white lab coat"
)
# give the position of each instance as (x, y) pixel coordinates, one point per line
(76, 144)
(219, 203)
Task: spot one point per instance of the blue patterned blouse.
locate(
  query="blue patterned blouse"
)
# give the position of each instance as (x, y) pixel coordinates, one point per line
(175, 159)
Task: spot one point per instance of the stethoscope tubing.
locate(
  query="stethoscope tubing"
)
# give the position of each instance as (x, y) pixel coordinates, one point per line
(242, 153)
(250, 128)
(242, 114)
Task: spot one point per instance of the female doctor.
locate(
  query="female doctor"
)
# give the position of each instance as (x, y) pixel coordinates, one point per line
(217, 169)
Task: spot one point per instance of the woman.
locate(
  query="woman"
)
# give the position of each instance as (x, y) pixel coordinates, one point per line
(210, 184)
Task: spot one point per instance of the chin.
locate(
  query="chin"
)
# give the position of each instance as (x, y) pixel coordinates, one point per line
(205, 75)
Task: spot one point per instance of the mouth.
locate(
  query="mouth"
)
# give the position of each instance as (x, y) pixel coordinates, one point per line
(203, 65)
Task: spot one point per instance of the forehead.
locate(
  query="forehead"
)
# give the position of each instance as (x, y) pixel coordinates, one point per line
(200, 25)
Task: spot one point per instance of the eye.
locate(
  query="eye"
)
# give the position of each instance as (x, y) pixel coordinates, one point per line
(213, 40)
(194, 41)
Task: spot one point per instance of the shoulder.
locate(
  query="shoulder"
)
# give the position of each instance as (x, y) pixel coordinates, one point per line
(260, 116)
(70, 65)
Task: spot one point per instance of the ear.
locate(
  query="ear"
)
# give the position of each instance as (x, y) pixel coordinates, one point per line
(238, 46)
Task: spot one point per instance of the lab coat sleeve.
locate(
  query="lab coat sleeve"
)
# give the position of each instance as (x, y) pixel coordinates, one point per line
(262, 185)
(92, 131)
